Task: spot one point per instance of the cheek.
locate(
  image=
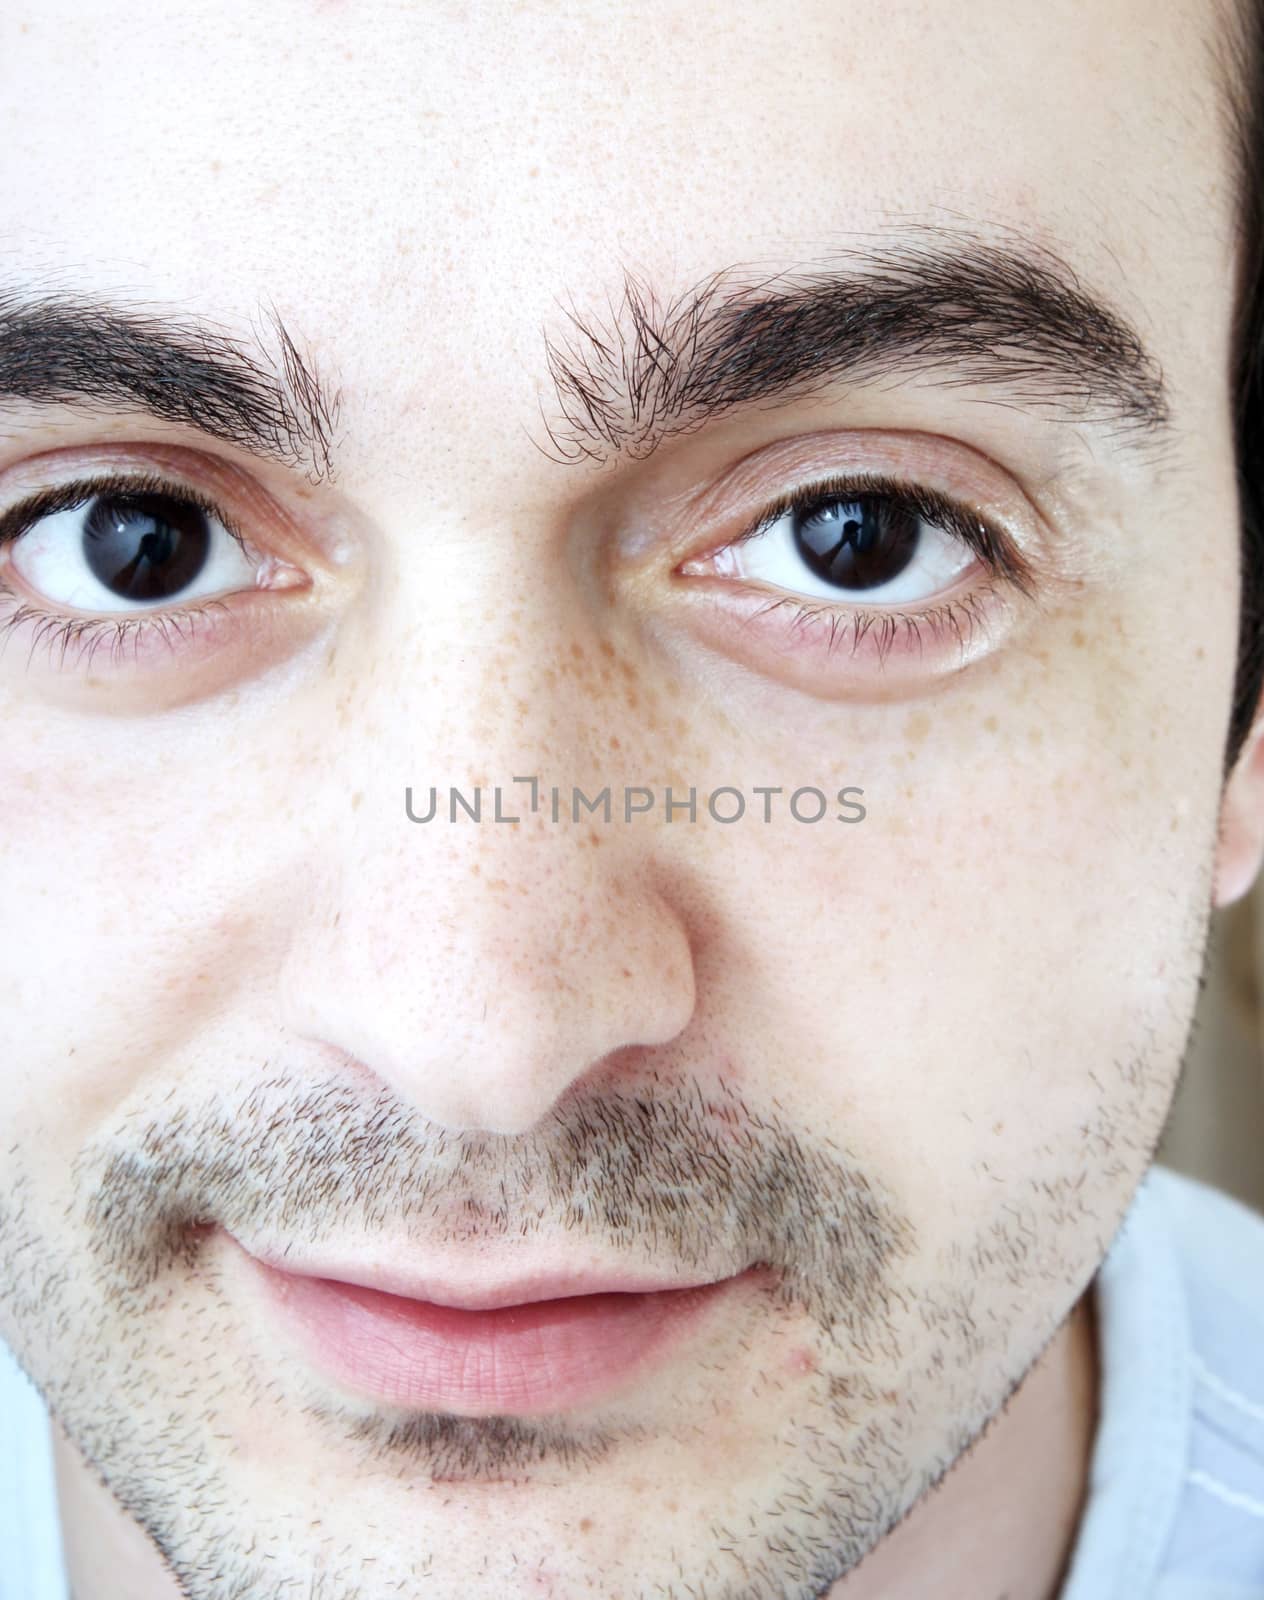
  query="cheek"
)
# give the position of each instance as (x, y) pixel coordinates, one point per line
(993, 975)
(118, 841)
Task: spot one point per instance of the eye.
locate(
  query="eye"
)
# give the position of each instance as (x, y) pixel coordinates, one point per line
(863, 585)
(888, 546)
(126, 548)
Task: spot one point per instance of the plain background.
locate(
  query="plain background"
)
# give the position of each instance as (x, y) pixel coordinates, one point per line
(1216, 1131)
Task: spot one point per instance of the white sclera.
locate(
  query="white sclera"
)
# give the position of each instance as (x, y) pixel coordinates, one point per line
(49, 558)
(772, 556)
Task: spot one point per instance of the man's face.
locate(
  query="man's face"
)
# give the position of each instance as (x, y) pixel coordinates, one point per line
(894, 1081)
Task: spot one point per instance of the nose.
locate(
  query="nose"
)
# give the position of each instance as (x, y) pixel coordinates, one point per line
(483, 976)
(482, 968)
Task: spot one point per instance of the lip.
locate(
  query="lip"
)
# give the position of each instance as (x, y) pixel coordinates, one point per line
(526, 1289)
(542, 1344)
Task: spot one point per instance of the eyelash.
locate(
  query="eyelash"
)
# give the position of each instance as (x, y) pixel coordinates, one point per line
(957, 618)
(86, 635)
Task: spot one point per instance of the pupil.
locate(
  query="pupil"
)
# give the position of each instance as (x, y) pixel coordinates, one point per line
(857, 544)
(145, 546)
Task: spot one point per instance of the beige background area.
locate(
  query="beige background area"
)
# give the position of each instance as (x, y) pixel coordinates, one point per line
(1216, 1132)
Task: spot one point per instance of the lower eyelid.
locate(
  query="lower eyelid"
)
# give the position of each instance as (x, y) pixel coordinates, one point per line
(847, 651)
(142, 644)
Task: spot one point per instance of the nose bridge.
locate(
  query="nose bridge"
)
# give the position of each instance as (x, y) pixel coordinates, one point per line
(481, 957)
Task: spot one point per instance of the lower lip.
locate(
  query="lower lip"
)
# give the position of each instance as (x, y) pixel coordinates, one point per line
(546, 1356)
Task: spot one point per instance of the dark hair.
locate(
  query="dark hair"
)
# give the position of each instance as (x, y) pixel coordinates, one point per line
(1240, 52)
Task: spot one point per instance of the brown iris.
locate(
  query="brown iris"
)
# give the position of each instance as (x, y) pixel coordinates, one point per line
(858, 543)
(145, 546)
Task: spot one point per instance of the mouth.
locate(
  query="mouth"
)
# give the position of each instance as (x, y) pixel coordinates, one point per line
(539, 1353)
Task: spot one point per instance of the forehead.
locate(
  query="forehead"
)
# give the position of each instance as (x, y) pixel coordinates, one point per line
(419, 187)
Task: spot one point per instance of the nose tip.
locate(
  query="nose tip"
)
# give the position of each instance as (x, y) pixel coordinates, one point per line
(482, 1013)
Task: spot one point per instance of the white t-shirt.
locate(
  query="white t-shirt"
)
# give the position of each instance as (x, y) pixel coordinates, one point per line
(1175, 1508)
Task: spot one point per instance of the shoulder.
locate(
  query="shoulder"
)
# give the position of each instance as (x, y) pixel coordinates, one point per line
(30, 1528)
(1194, 1204)
(1218, 1243)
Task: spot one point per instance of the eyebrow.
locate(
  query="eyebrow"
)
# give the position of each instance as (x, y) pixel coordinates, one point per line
(260, 393)
(945, 304)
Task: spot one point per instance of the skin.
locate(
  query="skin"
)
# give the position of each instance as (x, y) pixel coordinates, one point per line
(223, 910)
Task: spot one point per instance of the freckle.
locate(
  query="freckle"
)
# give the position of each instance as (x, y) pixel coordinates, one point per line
(998, 1127)
(607, 649)
(991, 724)
(680, 725)
(917, 726)
(585, 1524)
(1078, 639)
(534, 172)
(594, 838)
(630, 696)
(356, 799)
(1036, 735)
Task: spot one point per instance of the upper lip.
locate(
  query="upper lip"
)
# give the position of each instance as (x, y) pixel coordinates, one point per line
(541, 1284)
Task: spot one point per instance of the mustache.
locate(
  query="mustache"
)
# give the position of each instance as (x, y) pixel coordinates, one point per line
(667, 1169)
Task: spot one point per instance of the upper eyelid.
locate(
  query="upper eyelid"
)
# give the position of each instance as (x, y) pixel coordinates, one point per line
(733, 497)
(18, 519)
(930, 503)
(977, 531)
(312, 532)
